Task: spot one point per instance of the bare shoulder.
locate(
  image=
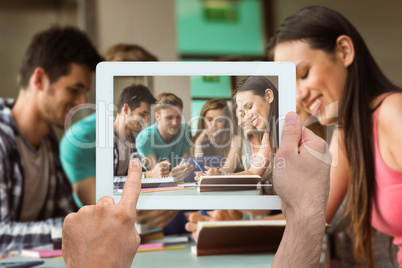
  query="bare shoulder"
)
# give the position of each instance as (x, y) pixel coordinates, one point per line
(391, 110)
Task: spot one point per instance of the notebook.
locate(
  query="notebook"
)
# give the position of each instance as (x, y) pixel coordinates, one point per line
(119, 182)
(228, 183)
(236, 237)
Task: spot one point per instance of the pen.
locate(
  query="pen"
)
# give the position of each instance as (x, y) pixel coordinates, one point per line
(198, 165)
(203, 212)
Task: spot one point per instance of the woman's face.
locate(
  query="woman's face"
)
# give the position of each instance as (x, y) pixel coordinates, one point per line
(214, 121)
(254, 109)
(320, 78)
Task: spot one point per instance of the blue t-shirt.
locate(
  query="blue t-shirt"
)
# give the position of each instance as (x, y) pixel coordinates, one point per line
(149, 142)
(78, 151)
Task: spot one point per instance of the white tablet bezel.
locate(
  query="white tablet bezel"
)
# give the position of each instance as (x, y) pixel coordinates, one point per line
(105, 73)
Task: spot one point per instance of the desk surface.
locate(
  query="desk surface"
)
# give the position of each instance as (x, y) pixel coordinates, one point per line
(184, 258)
(177, 258)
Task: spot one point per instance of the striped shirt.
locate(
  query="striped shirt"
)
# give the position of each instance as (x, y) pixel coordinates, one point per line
(14, 234)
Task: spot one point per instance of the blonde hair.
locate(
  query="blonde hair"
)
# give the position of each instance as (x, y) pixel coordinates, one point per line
(165, 99)
(128, 52)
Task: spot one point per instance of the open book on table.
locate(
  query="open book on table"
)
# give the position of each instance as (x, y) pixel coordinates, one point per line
(235, 237)
(228, 183)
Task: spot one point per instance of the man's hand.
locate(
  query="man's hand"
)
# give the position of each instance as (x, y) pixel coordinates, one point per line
(181, 171)
(210, 172)
(160, 170)
(301, 179)
(301, 171)
(104, 235)
(155, 219)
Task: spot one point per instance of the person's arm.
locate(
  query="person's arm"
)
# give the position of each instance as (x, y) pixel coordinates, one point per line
(301, 180)
(183, 169)
(155, 219)
(259, 164)
(233, 157)
(203, 137)
(389, 131)
(79, 165)
(85, 190)
(219, 215)
(162, 169)
(149, 161)
(261, 160)
(104, 235)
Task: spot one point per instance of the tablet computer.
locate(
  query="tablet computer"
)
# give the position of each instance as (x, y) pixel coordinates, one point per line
(163, 77)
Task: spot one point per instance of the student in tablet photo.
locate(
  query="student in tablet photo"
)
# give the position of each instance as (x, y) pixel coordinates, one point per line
(216, 135)
(339, 81)
(251, 139)
(257, 103)
(168, 139)
(134, 108)
(90, 238)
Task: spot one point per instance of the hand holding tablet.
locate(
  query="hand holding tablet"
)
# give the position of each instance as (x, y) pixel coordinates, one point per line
(98, 230)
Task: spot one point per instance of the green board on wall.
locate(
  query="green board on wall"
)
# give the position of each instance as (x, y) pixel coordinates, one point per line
(223, 27)
(210, 87)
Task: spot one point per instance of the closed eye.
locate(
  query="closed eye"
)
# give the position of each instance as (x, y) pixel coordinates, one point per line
(305, 74)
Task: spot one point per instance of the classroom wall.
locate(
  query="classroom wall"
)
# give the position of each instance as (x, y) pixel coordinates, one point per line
(151, 23)
(19, 20)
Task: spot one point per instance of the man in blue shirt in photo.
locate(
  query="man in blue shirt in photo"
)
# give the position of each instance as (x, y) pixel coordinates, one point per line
(168, 139)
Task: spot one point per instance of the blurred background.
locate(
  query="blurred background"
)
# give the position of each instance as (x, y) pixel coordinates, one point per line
(176, 30)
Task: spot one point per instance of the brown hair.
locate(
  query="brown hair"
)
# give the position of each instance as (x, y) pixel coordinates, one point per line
(167, 99)
(225, 136)
(128, 52)
(257, 85)
(54, 50)
(320, 27)
(133, 95)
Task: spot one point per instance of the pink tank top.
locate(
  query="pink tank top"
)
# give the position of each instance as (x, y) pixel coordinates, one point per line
(387, 208)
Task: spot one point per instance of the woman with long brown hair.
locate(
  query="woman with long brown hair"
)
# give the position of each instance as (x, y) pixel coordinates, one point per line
(216, 135)
(256, 100)
(339, 82)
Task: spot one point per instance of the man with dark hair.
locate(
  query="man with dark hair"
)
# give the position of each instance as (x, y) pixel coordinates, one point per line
(35, 194)
(79, 161)
(134, 107)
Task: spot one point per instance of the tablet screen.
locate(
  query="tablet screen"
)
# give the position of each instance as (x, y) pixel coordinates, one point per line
(176, 191)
